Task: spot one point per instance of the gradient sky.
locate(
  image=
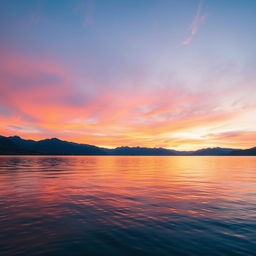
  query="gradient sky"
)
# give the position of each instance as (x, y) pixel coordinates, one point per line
(157, 73)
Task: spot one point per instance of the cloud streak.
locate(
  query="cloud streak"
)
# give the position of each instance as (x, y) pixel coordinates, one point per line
(86, 8)
(198, 20)
(39, 98)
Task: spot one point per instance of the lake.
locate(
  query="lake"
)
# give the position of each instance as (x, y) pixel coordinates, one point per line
(127, 205)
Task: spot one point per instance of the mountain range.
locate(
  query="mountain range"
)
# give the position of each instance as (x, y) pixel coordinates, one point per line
(15, 145)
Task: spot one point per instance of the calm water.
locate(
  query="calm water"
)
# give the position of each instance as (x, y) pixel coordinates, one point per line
(122, 205)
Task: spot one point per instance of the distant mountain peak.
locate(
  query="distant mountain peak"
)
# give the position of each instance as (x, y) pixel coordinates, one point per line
(15, 137)
(55, 139)
(51, 140)
(55, 146)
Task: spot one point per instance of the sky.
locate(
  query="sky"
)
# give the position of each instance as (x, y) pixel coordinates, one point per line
(177, 74)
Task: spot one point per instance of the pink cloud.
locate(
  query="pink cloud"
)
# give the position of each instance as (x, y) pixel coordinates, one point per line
(187, 41)
(198, 19)
(41, 98)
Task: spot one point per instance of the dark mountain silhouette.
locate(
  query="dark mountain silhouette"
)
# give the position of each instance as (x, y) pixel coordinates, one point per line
(143, 151)
(58, 147)
(17, 146)
(8, 147)
(27, 144)
(244, 152)
(213, 151)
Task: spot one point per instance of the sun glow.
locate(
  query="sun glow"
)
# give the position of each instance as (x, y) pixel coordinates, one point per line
(137, 87)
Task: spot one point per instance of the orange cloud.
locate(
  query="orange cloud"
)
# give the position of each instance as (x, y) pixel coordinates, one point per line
(40, 98)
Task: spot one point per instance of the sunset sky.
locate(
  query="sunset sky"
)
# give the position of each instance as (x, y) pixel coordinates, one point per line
(157, 73)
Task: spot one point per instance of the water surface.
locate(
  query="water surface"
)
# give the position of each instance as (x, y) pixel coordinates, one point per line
(127, 205)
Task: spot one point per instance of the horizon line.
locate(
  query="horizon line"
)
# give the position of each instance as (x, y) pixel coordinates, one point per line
(108, 147)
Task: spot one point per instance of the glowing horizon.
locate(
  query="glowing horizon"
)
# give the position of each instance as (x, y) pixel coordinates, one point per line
(172, 74)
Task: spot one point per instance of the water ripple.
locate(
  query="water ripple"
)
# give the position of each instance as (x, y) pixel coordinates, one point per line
(90, 205)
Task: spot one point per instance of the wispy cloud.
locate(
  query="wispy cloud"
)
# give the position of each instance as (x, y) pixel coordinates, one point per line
(39, 98)
(198, 19)
(24, 128)
(86, 7)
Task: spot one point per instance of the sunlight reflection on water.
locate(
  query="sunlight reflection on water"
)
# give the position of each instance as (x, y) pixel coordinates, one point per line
(127, 205)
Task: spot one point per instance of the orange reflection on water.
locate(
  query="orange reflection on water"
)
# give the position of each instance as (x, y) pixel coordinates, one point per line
(123, 182)
(48, 199)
